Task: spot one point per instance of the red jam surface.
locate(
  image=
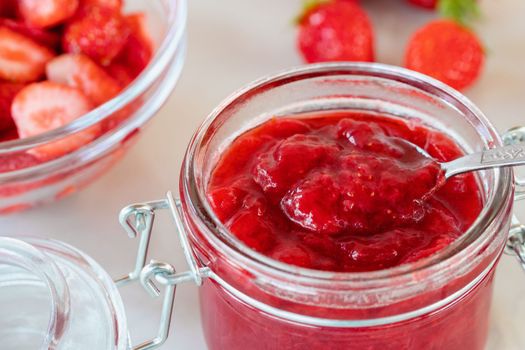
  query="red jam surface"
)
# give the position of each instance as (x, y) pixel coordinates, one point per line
(342, 192)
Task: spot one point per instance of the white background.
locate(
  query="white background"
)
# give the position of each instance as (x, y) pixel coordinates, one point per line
(232, 42)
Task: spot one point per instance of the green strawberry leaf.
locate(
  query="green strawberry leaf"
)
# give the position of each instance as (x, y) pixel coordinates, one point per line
(308, 6)
(461, 11)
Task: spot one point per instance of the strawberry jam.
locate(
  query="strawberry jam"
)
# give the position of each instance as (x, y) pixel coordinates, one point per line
(342, 191)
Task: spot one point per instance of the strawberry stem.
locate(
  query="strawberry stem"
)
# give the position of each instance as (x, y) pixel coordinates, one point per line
(461, 11)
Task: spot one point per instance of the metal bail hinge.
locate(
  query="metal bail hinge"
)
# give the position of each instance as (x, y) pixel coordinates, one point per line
(137, 220)
(516, 240)
(511, 137)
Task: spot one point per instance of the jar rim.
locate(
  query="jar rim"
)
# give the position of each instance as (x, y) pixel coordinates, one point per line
(500, 190)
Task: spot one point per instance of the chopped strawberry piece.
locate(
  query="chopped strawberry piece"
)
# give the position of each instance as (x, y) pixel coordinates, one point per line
(45, 106)
(21, 59)
(81, 72)
(138, 50)
(9, 135)
(46, 13)
(8, 92)
(289, 160)
(301, 205)
(12, 162)
(98, 31)
(47, 38)
(116, 5)
(120, 73)
(285, 127)
(8, 8)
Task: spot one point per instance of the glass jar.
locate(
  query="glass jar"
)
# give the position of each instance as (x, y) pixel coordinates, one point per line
(249, 301)
(53, 296)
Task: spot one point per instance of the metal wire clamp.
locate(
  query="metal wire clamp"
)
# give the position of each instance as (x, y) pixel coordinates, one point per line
(137, 220)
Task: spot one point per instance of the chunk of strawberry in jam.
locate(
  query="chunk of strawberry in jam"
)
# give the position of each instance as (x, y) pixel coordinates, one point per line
(226, 200)
(256, 203)
(281, 128)
(315, 205)
(369, 137)
(290, 160)
(253, 231)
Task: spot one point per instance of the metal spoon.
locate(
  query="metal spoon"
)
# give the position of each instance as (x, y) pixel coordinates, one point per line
(512, 155)
(493, 158)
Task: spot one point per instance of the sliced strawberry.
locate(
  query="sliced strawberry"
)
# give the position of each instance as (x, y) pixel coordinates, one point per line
(81, 72)
(138, 50)
(9, 135)
(45, 106)
(21, 59)
(98, 31)
(120, 73)
(47, 38)
(12, 162)
(8, 92)
(46, 13)
(113, 4)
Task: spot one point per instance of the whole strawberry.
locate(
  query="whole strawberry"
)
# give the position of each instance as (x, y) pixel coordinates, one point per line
(447, 51)
(335, 31)
(458, 9)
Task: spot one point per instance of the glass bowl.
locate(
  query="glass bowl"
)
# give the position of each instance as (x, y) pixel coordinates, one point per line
(25, 184)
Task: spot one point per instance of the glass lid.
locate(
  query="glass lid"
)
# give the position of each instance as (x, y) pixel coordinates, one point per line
(52, 296)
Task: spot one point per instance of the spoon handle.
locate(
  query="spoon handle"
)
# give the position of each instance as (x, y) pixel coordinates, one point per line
(493, 158)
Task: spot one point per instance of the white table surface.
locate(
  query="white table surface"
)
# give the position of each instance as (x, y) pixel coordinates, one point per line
(232, 42)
